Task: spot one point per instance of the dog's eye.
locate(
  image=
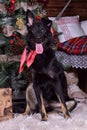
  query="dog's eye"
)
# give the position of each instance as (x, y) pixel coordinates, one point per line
(33, 30)
(43, 30)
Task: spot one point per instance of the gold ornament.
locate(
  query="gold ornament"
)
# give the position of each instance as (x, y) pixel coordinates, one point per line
(20, 23)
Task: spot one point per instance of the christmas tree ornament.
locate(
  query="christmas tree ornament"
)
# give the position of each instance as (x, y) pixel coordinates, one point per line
(10, 6)
(19, 23)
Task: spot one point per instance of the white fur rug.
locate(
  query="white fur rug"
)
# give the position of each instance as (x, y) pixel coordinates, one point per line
(78, 121)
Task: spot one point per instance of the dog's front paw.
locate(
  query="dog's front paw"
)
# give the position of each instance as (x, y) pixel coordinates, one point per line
(26, 113)
(44, 118)
(67, 115)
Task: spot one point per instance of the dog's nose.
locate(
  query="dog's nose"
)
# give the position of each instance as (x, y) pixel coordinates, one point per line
(39, 40)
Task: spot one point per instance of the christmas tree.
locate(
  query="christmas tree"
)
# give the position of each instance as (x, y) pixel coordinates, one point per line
(13, 39)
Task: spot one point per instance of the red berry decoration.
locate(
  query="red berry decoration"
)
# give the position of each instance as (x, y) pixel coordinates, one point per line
(38, 17)
(13, 1)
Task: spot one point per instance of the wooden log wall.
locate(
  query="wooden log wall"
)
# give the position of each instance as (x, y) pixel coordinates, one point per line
(76, 7)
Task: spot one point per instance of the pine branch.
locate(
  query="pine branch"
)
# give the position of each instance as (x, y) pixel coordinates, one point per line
(5, 58)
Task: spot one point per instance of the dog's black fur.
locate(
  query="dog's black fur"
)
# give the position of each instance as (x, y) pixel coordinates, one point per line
(48, 78)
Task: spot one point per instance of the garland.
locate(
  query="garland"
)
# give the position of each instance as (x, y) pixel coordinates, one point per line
(10, 6)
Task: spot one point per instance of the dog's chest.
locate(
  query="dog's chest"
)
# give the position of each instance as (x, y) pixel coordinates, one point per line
(43, 62)
(44, 65)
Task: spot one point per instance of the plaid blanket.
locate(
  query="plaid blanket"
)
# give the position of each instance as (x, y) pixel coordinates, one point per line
(76, 45)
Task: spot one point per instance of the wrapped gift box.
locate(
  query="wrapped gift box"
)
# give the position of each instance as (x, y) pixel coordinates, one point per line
(5, 103)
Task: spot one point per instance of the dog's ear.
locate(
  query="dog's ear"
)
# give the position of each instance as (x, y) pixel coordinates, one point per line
(47, 22)
(29, 18)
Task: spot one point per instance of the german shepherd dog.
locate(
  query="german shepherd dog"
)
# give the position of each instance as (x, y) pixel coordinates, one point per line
(47, 75)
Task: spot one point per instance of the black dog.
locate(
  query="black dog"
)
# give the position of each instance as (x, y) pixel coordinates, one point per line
(48, 79)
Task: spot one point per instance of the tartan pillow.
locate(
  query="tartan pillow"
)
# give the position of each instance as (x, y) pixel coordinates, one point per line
(76, 45)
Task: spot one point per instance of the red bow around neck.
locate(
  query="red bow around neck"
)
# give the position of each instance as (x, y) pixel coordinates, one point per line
(28, 59)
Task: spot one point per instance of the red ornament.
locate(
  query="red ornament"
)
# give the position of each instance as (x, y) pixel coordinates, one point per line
(38, 17)
(11, 42)
(10, 7)
(13, 1)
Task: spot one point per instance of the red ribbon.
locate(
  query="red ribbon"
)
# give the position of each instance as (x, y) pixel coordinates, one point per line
(28, 59)
(52, 31)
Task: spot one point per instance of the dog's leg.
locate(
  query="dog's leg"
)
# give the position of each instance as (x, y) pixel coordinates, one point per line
(30, 99)
(40, 103)
(59, 93)
(27, 110)
(43, 110)
(63, 107)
